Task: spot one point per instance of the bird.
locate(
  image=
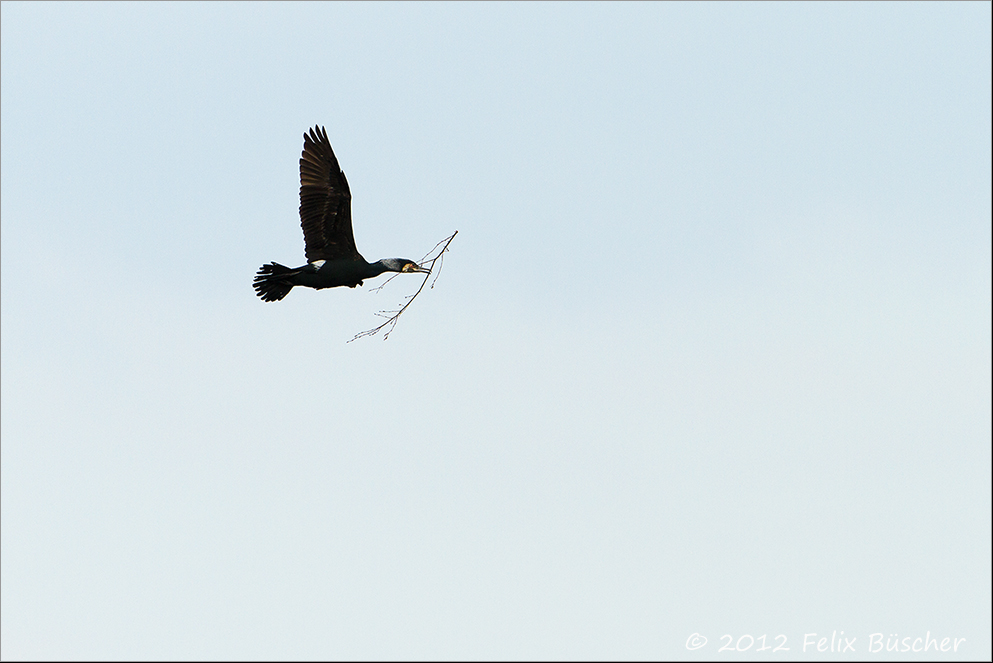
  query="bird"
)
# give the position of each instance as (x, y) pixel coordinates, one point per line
(326, 219)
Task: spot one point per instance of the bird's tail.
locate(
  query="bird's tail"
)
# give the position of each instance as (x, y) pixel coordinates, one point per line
(272, 281)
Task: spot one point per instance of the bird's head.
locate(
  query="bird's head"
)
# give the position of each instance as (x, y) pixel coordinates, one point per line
(403, 265)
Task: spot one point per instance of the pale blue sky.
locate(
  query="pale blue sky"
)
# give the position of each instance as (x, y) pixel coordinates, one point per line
(710, 353)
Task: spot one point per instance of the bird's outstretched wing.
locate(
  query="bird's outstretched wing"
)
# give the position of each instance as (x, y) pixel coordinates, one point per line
(325, 201)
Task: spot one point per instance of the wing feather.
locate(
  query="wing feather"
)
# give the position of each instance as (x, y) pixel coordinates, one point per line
(325, 201)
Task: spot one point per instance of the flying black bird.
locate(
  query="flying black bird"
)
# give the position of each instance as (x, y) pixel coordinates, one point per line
(326, 217)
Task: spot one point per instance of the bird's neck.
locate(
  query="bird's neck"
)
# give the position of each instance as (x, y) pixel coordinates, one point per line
(375, 269)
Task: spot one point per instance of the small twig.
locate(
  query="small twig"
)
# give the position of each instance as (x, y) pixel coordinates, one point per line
(394, 316)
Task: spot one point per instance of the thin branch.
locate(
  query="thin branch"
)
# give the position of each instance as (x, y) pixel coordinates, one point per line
(426, 261)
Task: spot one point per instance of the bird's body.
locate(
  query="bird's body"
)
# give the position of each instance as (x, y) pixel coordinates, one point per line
(326, 218)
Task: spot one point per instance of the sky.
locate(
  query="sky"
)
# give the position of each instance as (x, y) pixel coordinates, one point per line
(707, 365)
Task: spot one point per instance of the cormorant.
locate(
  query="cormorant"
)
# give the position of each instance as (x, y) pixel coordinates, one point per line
(326, 217)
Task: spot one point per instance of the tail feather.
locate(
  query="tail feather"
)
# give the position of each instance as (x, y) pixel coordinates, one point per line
(272, 281)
